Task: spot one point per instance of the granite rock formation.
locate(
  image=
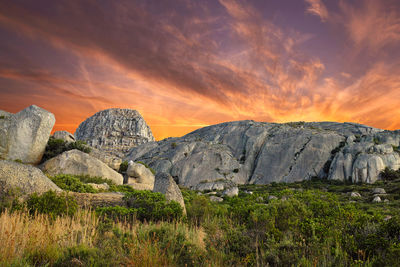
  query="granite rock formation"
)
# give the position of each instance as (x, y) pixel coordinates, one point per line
(114, 131)
(76, 162)
(26, 178)
(24, 135)
(260, 153)
(64, 135)
(166, 185)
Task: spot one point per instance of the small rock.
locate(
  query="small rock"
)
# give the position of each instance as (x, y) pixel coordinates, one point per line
(284, 198)
(272, 197)
(386, 200)
(231, 192)
(355, 195)
(103, 186)
(216, 199)
(260, 199)
(211, 193)
(377, 199)
(379, 191)
(387, 218)
(140, 173)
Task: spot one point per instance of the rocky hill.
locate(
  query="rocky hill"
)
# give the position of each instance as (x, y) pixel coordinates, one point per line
(248, 152)
(114, 131)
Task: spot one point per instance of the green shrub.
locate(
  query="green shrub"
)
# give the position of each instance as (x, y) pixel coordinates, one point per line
(52, 204)
(55, 147)
(123, 167)
(174, 145)
(10, 198)
(152, 206)
(388, 174)
(72, 183)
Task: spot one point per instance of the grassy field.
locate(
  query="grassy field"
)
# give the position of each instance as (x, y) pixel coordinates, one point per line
(312, 223)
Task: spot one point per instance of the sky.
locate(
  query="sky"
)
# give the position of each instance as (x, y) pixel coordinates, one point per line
(188, 64)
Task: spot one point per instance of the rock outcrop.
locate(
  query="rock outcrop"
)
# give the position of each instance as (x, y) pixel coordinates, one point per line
(260, 153)
(64, 135)
(139, 175)
(26, 178)
(364, 156)
(114, 131)
(24, 135)
(76, 162)
(166, 185)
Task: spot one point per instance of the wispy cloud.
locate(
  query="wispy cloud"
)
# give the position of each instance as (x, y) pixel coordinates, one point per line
(317, 8)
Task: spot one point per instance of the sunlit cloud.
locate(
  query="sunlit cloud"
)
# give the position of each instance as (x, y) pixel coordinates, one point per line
(317, 8)
(208, 63)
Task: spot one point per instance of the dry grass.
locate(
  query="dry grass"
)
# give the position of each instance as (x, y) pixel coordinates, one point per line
(21, 234)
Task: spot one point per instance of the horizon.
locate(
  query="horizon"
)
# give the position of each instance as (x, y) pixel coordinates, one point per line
(185, 65)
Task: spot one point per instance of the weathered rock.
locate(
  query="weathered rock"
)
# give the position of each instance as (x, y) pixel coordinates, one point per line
(363, 159)
(140, 174)
(260, 153)
(24, 177)
(112, 161)
(137, 186)
(272, 197)
(231, 192)
(377, 199)
(114, 131)
(355, 195)
(24, 135)
(216, 199)
(64, 135)
(166, 185)
(386, 200)
(214, 186)
(103, 186)
(107, 199)
(378, 191)
(76, 162)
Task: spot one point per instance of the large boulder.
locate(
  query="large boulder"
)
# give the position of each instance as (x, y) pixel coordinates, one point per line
(28, 179)
(76, 162)
(24, 135)
(166, 185)
(114, 131)
(137, 173)
(64, 135)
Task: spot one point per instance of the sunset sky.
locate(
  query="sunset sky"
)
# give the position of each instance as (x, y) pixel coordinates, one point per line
(187, 64)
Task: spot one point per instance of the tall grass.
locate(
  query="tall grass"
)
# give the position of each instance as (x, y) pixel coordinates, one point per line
(85, 240)
(22, 235)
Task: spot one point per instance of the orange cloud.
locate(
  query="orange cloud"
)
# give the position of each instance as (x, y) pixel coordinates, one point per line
(182, 72)
(373, 24)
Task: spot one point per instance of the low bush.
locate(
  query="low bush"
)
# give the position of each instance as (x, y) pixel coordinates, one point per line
(52, 204)
(145, 206)
(388, 174)
(55, 147)
(72, 183)
(123, 167)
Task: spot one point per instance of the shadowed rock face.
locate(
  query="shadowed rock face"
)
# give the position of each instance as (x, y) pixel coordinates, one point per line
(114, 131)
(261, 153)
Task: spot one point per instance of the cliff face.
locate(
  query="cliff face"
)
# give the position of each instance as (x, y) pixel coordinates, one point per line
(260, 153)
(114, 131)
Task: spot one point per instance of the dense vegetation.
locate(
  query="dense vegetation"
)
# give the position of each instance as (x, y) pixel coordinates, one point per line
(312, 223)
(55, 147)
